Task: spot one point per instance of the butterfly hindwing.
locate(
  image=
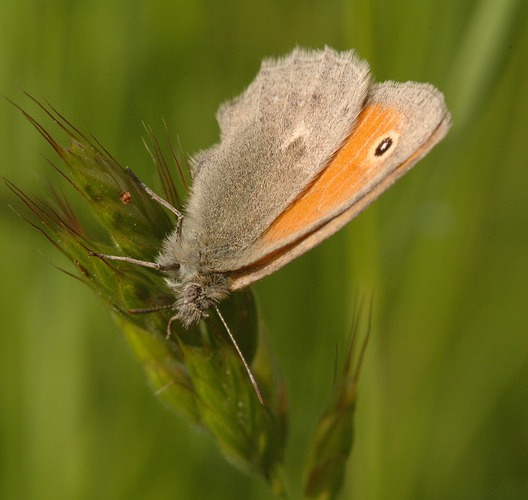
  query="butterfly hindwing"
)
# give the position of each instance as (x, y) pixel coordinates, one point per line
(275, 139)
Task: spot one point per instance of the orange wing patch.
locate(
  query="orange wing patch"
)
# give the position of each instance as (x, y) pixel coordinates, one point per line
(345, 176)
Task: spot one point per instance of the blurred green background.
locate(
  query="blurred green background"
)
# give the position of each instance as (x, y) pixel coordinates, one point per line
(443, 408)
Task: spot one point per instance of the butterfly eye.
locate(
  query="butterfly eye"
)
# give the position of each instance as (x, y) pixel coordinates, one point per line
(383, 146)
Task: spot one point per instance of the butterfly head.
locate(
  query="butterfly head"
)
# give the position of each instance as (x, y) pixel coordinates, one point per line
(196, 294)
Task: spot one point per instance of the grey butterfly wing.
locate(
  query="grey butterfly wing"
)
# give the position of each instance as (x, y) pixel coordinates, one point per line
(400, 123)
(275, 138)
(283, 88)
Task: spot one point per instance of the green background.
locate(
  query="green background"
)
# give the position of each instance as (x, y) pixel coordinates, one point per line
(443, 404)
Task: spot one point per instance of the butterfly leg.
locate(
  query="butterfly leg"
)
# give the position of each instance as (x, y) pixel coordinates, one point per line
(130, 260)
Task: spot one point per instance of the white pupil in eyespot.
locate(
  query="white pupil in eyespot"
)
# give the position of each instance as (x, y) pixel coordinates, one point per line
(383, 146)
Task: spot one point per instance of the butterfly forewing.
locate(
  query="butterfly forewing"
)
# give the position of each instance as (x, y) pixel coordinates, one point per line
(399, 124)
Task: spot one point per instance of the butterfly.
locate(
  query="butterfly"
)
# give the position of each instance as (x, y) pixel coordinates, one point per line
(304, 149)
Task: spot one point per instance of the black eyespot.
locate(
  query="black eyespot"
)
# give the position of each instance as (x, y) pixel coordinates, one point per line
(383, 146)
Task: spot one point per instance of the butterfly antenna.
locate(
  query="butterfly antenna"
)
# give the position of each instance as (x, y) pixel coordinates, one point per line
(241, 356)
